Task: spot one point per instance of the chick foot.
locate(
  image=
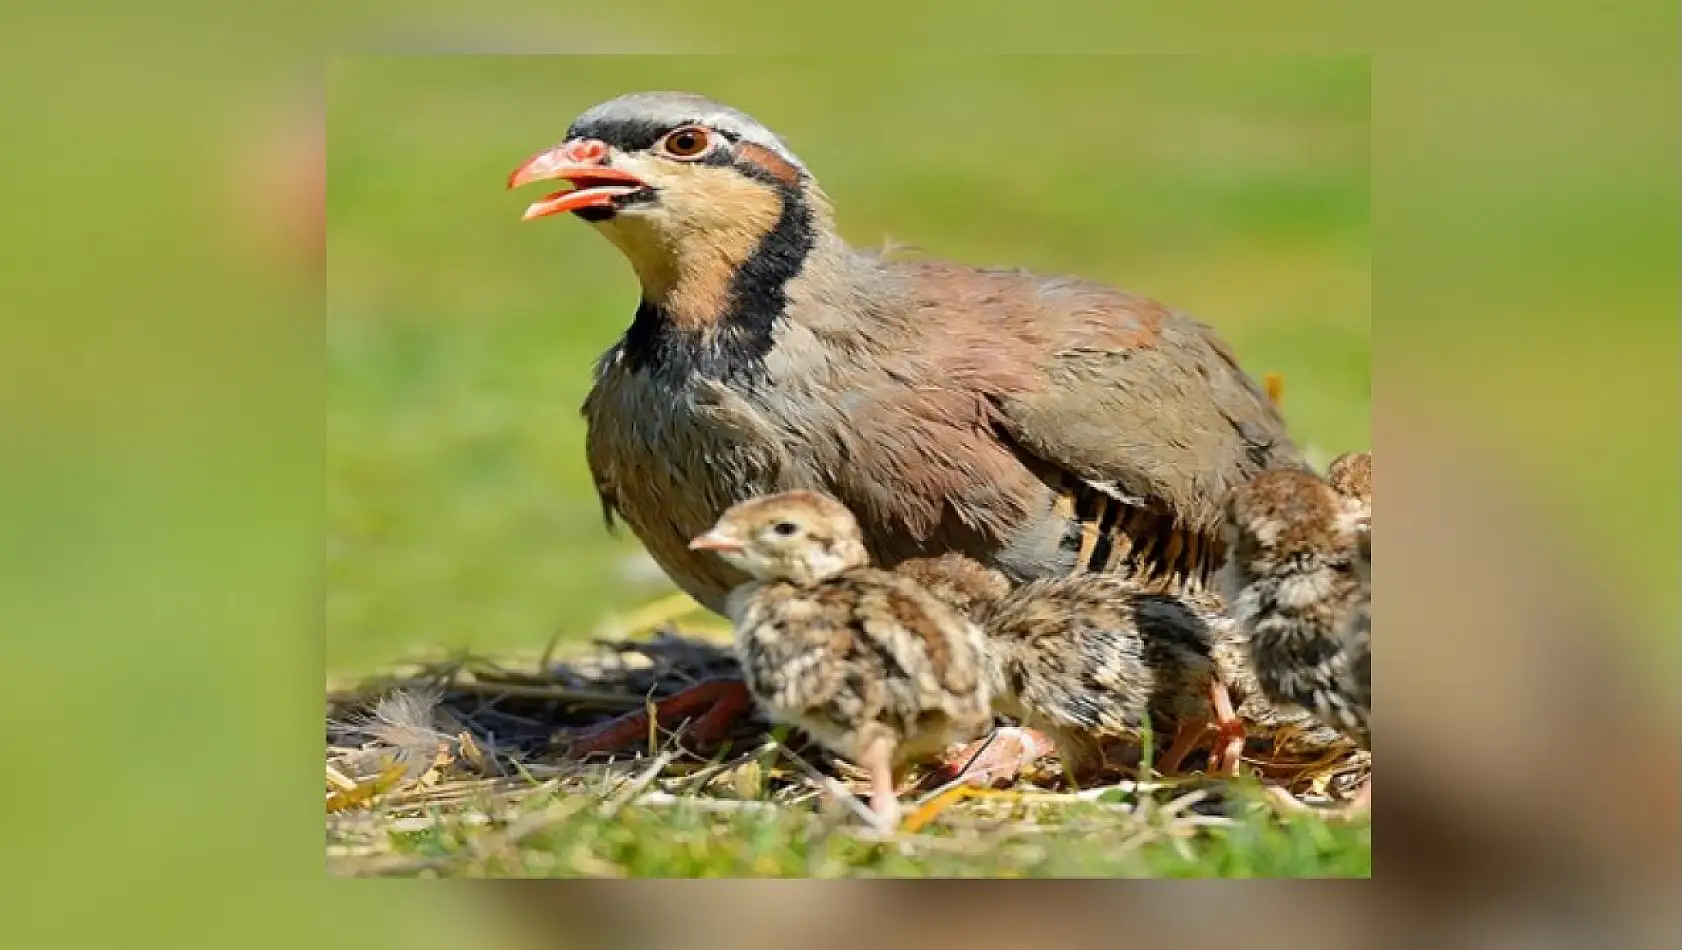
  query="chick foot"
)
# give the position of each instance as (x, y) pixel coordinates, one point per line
(1226, 754)
(1002, 755)
(1187, 738)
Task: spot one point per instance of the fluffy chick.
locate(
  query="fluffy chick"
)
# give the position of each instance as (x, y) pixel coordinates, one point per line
(1293, 586)
(1091, 659)
(1350, 475)
(865, 661)
(1293, 728)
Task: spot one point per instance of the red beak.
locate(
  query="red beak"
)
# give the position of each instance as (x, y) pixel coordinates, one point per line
(581, 164)
(714, 541)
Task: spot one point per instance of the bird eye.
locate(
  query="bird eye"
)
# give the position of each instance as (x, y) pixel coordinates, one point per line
(686, 143)
(785, 528)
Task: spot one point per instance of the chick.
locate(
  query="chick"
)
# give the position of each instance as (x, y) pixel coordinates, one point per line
(1294, 588)
(1089, 660)
(1350, 475)
(865, 661)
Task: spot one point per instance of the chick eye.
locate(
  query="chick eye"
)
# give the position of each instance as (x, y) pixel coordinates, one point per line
(686, 142)
(785, 528)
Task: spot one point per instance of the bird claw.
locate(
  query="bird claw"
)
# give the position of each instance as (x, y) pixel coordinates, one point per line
(723, 702)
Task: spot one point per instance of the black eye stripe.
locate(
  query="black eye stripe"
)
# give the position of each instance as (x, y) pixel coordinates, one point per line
(637, 135)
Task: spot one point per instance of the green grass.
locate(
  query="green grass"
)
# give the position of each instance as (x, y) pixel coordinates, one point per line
(568, 836)
(460, 340)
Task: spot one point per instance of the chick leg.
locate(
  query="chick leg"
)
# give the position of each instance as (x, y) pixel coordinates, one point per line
(720, 702)
(1186, 738)
(1228, 754)
(878, 761)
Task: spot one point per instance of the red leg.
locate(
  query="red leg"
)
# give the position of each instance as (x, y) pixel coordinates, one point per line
(1228, 753)
(720, 702)
(1186, 738)
(1003, 754)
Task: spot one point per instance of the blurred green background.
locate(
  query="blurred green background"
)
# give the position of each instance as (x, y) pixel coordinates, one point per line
(460, 340)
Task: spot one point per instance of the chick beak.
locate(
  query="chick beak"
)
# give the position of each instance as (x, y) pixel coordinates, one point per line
(581, 163)
(716, 540)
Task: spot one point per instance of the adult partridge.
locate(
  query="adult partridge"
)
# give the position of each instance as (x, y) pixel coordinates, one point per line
(1042, 425)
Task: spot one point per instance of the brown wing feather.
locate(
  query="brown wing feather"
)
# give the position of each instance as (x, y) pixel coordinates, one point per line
(1129, 400)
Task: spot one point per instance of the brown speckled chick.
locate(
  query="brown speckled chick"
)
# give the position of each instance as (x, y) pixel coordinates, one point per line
(1091, 659)
(1350, 475)
(1293, 587)
(865, 661)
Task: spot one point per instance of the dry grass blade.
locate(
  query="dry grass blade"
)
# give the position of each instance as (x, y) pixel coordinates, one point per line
(636, 785)
(841, 792)
(339, 780)
(660, 613)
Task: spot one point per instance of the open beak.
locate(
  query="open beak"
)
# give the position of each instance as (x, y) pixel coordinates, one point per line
(578, 163)
(715, 541)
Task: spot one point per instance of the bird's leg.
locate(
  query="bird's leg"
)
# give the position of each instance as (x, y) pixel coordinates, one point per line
(1186, 738)
(1228, 753)
(720, 702)
(1002, 754)
(878, 761)
(1275, 384)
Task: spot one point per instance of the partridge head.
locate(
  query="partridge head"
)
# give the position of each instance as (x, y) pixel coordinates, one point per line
(713, 212)
(799, 537)
(1290, 524)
